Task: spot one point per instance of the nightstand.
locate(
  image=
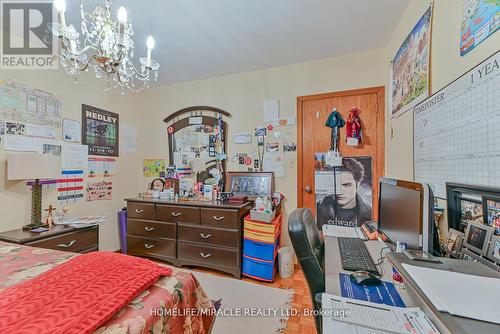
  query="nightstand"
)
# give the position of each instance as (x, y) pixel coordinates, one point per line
(63, 238)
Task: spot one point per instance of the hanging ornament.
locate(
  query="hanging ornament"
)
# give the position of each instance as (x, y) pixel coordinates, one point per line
(335, 122)
(354, 129)
(170, 130)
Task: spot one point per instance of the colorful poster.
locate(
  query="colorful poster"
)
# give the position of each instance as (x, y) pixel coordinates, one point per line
(410, 68)
(98, 191)
(351, 205)
(100, 131)
(70, 187)
(480, 19)
(153, 167)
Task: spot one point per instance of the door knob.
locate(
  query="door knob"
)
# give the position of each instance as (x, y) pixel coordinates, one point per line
(308, 189)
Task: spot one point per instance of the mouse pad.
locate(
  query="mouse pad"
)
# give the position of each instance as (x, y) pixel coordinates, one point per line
(385, 293)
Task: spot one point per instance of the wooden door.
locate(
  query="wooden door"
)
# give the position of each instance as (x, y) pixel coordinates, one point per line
(314, 136)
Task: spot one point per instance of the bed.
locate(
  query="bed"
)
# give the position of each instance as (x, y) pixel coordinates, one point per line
(165, 307)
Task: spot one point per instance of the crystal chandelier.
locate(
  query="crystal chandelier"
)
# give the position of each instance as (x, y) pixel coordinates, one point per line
(106, 46)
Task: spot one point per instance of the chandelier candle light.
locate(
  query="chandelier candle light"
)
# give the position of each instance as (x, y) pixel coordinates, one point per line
(106, 47)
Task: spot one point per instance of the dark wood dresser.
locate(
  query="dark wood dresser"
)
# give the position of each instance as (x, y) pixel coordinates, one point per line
(61, 238)
(207, 234)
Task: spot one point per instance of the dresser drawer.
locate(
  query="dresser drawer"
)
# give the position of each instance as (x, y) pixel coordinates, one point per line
(208, 255)
(208, 235)
(220, 218)
(140, 210)
(151, 229)
(75, 241)
(151, 247)
(176, 214)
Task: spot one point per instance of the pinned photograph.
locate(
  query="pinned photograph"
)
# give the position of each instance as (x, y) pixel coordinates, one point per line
(289, 147)
(272, 147)
(14, 128)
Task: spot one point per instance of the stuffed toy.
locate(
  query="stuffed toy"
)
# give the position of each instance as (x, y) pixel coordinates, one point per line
(353, 127)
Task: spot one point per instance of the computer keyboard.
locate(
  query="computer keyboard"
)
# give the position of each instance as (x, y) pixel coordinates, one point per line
(355, 256)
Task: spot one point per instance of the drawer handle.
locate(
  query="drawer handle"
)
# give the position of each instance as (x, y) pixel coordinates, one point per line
(148, 229)
(218, 218)
(203, 255)
(205, 236)
(148, 246)
(176, 214)
(68, 245)
(139, 211)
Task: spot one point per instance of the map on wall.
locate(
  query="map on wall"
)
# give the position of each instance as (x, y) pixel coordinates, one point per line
(410, 68)
(480, 19)
(26, 105)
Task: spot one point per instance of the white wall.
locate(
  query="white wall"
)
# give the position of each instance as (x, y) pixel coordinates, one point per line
(14, 197)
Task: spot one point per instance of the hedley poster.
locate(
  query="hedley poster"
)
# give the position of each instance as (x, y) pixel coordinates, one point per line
(100, 131)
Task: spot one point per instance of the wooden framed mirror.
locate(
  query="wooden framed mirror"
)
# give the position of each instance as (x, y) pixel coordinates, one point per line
(191, 147)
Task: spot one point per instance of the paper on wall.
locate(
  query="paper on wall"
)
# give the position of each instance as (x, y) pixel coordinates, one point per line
(49, 146)
(70, 187)
(97, 191)
(74, 156)
(271, 110)
(326, 182)
(274, 162)
(242, 138)
(128, 138)
(43, 131)
(20, 143)
(71, 130)
(101, 167)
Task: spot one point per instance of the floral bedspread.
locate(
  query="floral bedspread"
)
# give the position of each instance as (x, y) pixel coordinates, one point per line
(174, 305)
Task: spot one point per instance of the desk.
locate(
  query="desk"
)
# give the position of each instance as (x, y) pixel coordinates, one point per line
(410, 293)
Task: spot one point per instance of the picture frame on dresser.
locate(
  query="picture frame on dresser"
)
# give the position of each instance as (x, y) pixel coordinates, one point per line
(250, 184)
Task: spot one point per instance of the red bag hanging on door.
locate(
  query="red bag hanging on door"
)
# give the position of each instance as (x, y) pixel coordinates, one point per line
(353, 124)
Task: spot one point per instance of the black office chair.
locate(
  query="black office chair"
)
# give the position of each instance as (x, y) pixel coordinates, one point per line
(309, 248)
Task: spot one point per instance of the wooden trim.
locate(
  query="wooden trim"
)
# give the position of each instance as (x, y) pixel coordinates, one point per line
(195, 108)
(379, 90)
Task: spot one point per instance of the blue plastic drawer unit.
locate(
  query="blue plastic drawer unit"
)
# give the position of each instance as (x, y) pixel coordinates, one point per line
(258, 269)
(261, 250)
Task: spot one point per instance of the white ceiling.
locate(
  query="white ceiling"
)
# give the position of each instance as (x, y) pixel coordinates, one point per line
(197, 39)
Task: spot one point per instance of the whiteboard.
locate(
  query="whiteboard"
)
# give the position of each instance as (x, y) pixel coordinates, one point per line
(456, 131)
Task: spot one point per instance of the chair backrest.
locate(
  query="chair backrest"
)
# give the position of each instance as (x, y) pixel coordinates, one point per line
(309, 248)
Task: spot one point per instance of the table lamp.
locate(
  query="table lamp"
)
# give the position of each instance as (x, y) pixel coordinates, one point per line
(33, 166)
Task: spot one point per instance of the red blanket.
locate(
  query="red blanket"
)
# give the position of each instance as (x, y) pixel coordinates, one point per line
(78, 296)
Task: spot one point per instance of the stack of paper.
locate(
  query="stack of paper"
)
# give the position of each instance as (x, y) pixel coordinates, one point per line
(350, 316)
(459, 294)
(81, 222)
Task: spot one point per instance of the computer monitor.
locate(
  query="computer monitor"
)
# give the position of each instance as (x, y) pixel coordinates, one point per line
(405, 214)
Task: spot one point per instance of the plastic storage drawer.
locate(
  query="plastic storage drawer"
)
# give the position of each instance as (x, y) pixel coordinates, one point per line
(261, 250)
(258, 269)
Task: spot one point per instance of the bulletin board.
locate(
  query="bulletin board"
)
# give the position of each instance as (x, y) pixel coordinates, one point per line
(457, 131)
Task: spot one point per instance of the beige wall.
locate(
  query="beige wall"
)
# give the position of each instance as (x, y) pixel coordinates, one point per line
(243, 95)
(14, 197)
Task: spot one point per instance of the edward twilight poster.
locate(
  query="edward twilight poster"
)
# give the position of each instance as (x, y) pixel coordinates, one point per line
(100, 131)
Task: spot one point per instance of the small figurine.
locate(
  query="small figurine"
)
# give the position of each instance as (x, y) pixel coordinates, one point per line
(49, 219)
